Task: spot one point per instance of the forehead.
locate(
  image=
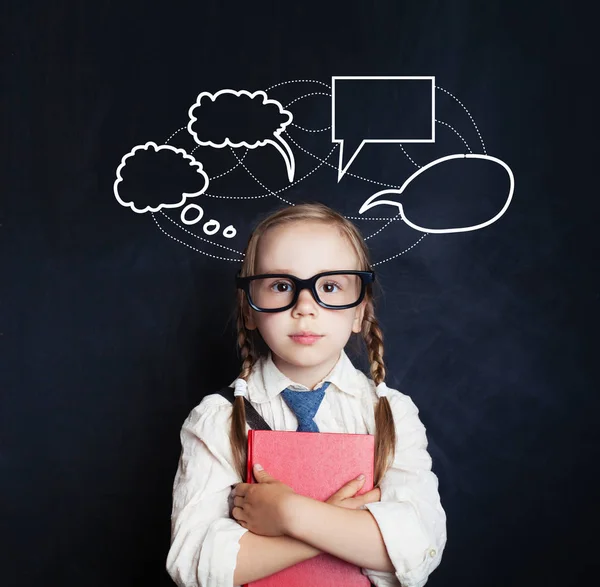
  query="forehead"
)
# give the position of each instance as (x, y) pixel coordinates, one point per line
(304, 248)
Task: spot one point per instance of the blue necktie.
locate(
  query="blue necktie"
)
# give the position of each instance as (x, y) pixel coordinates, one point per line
(305, 405)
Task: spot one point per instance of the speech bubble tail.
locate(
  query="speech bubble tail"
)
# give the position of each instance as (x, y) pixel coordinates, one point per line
(286, 152)
(374, 200)
(343, 167)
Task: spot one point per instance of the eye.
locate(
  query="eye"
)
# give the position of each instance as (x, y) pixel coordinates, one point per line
(330, 287)
(281, 287)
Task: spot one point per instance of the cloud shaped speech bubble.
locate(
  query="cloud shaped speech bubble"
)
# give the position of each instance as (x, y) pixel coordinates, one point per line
(380, 109)
(153, 173)
(239, 118)
(375, 199)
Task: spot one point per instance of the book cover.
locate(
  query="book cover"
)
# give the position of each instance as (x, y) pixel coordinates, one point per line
(315, 465)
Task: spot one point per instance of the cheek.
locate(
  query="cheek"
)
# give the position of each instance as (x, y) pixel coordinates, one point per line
(269, 324)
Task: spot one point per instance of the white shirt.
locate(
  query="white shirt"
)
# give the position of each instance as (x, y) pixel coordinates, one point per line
(205, 539)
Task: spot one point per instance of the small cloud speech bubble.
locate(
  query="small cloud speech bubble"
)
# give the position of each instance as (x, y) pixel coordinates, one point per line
(376, 199)
(239, 118)
(150, 175)
(380, 109)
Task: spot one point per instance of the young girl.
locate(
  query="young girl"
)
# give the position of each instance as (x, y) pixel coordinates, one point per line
(292, 330)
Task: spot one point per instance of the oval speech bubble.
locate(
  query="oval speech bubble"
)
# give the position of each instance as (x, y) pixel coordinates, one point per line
(375, 200)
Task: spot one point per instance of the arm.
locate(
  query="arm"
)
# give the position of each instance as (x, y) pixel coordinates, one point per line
(269, 508)
(208, 547)
(352, 535)
(261, 556)
(410, 515)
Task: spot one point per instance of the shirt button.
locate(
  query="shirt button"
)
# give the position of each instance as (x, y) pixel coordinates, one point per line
(432, 552)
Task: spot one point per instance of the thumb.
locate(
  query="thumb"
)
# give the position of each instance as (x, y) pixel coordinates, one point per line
(260, 474)
(350, 489)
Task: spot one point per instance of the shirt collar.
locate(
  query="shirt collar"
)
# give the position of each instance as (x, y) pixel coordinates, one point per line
(266, 380)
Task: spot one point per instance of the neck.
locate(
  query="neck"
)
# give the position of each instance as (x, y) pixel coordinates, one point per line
(308, 376)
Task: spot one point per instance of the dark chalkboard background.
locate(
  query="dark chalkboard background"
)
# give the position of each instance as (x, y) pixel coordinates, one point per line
(112, 331)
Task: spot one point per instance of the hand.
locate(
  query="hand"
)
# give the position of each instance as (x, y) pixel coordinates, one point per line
(260, 507)
(346, 496)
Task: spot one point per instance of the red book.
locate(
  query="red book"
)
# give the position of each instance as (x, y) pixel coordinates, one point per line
(315, 465)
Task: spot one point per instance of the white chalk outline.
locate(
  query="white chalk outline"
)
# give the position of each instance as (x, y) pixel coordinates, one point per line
(284, 149)
(372, 201)
(341, 168)
(184, 195)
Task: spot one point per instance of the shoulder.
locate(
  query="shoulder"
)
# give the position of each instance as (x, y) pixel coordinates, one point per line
(212, 414)
(402, 404)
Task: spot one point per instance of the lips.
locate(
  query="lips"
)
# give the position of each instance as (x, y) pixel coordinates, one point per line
(305, 337)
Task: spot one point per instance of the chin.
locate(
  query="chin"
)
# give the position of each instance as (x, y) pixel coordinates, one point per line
(308, 356)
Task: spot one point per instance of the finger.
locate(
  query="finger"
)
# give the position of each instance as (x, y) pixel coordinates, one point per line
(369, 497)
(260, 474)
(238, 514)
(349, 489)
(241, 489)
(239, 501)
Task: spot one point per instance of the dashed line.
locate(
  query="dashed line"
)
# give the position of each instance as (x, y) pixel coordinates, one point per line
(178, 130)
(230, 170)
(311, 130)
(190, 246)
(298, 81)
(219, 196)
(468, 114)
(384, 226)
(306, 96)
(402, 253)
(257, 180)
(409, 157)
(456, 132)
(371, 217)
(200, 237)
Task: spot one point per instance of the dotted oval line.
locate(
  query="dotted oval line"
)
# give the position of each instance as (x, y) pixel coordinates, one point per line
(311, 130)
(190, 246)
(384, 226)
(468, 114)
(402, 253)
(370, 217)
(257, 180)
(306, 96)
(178, 130)
(218, 196)
(456, 132)
(230, 170)
(409, 157)
(198, 236)
(335, 166)
(298, 81)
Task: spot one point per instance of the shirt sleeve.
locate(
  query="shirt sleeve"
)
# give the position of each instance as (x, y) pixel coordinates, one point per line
(410, 516)
(204, 538)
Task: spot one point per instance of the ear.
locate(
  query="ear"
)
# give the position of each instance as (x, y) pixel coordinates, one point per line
(249, 321)
(359, 313)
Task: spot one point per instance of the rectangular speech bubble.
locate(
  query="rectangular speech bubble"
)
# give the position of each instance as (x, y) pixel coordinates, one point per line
(380, 109)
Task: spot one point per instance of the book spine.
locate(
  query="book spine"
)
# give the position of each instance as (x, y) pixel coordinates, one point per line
(249, 458)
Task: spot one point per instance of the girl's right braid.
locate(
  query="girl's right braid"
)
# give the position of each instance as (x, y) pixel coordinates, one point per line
(238, 415)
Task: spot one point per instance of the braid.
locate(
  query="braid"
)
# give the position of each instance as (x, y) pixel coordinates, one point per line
(385, 431)
(238, 415)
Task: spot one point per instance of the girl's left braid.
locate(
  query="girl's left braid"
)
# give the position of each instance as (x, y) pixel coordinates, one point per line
(385, 430)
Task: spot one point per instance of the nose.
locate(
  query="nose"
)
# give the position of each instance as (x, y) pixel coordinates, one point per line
(306, 304)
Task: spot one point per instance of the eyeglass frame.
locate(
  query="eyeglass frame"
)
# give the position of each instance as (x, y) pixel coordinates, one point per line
(366, 277)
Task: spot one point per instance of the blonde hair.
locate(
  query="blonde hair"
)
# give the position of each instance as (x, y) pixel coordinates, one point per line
(252, 347)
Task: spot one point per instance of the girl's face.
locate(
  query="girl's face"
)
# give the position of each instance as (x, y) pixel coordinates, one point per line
(304, 249)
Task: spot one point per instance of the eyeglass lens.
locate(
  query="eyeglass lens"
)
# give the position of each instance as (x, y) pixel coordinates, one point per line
(270, 293)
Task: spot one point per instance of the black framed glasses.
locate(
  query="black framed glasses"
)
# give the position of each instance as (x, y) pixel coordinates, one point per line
(277, 292)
